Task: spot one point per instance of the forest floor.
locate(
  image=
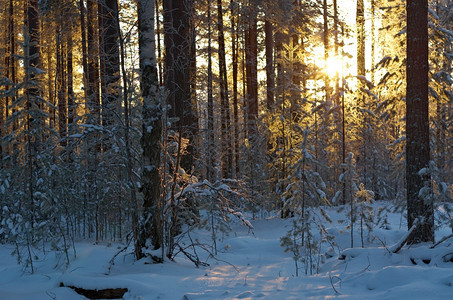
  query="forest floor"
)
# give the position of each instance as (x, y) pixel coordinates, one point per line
(250, 264)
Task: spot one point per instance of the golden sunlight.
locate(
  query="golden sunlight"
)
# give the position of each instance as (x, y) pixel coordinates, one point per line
(333, 66)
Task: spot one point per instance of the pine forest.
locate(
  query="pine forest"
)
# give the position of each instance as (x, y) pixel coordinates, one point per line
(152, 123)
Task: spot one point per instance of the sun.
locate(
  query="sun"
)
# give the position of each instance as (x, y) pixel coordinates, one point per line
(334, 66)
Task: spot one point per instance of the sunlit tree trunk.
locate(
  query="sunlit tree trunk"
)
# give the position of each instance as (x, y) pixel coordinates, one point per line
(269, 43)
(325, 39)
(373, 39)
(360, 24)
(361, 72)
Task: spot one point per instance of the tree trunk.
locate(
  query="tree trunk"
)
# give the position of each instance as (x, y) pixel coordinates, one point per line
(419, 196)
(159, 47)
(211, 175)
(360, 23)
(227, 165)
(93, 64)
(60, 77)
(10, 64)
(69, 74)
(373, 38)
(152, 130)
(32, 92)
(234, 53)
(109, 58)
(84, 51)
(325, 39)
(178, 73)
(251, 61)
(269, 42)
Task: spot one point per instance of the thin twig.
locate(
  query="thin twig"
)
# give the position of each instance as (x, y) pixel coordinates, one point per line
(112, 261)
(333, 286)
(441, 241)
(224, 261)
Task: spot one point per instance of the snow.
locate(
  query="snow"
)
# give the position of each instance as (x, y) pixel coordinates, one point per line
(249, 265)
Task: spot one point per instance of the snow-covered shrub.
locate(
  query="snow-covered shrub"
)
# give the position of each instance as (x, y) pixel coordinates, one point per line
(217, 207)
(305, 191)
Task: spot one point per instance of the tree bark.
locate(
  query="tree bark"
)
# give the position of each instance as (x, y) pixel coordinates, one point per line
(152, 129)
(84, 51)
(93, 63)
(234, 53)
(270, 81)
(325, 39)
(109, 58)
(60, 83)
(251, 62)
(360, 23)
(70, 74)
(211, 175)
(227, 165)
(178, 73)
(419, 196)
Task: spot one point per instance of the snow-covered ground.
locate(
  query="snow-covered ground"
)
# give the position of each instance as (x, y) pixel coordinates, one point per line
(249, 265)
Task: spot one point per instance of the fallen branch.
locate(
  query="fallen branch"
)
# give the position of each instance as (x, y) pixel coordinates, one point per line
(99, 294)
(397, 247)
(441, 241)
(224, 261)
(112, 261)
(193, 258)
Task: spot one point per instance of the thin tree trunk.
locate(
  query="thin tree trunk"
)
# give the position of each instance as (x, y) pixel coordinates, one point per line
(10, 64)
(69, 74)
(102, 58)
(326, 47)
(32, 92)
(360, 24)
(227, 166)
(93, 63)
(193, 117)
(211, 135)
(373, 38)
(343, 128)
(251, 55)
(159, 47)
(234, 53)
(335, 32)
(361, 72)
(269, 42)
(60, 76)
(84, 51)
